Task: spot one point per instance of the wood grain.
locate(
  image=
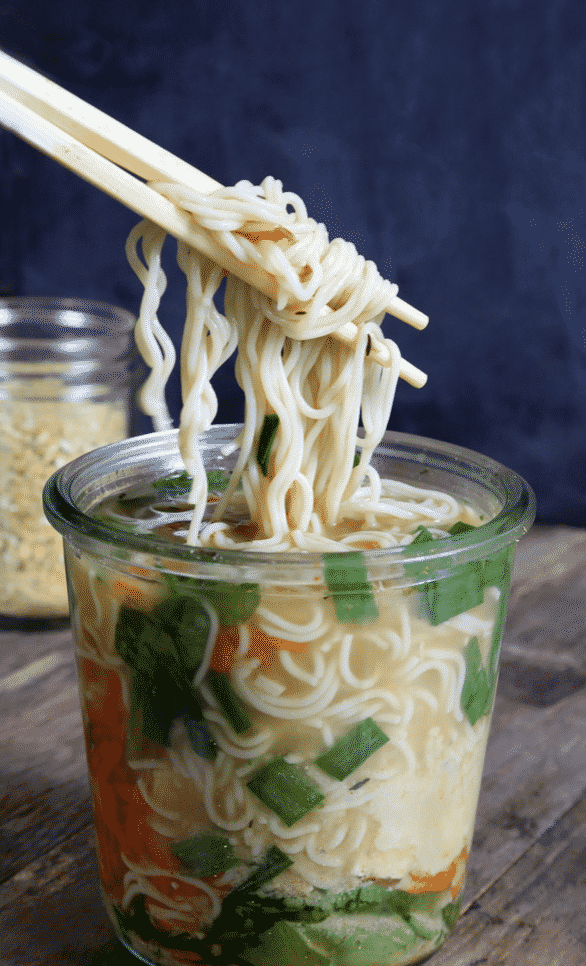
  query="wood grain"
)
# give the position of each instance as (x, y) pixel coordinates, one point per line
(526, 888)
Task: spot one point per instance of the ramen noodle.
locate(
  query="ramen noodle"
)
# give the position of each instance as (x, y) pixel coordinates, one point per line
(282, 774)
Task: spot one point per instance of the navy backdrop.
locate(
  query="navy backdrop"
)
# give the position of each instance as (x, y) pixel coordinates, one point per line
(445, 139)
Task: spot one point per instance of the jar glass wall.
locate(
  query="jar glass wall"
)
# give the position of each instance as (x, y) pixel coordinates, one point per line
(285, 750)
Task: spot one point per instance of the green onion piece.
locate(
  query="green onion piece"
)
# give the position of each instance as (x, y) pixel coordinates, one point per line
(497, 569)
(285, 790)
(346, 579)
(218, 480)
(422, 536)
(118, 522)
(476, 697)
(175, 484)
(225, 695)
(206, 854)
(356, 459)
(271, 866)
(461, 527)
(266, 440)
(352, 750)
(455, 594)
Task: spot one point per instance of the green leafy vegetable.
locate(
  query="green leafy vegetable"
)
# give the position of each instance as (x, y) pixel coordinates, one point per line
(422, 536)
(456, 593)
(506, 566)
(266, 440)
(225, 695)
(286, 945)
(271, 866)
(451, 912)
(460, 527)
(476, 698)
(464, 587)
(233, 603)
(175, 484)
(218, 480)
(164, 649)
(347, 581)
(200, 737)
(356, 459)
(352, 750)
(285, 790)
(497, 569)
(142, 642)
(206, 854)
(118, 522)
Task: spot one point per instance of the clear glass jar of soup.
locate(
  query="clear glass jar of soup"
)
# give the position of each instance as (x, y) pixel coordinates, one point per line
(68, 375)
(285, 750)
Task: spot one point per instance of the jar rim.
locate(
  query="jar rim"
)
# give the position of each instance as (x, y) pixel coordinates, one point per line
(109, 470)
(76, 319)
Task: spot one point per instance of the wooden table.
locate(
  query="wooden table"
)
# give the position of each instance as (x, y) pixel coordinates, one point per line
(525, 900)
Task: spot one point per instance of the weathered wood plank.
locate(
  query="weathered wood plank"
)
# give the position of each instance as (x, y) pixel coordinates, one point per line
(51, 911)
(45, 791)
(535, 771)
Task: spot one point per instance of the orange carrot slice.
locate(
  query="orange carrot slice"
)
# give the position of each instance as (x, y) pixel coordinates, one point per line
(450, 877)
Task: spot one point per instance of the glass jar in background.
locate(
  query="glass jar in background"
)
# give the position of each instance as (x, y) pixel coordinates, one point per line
(69, 370)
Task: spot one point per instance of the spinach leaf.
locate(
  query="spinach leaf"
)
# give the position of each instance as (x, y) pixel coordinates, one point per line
(206, 855)
(233, 603)
(164, 649)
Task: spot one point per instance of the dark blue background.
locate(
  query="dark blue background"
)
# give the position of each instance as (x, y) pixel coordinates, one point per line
(446, 139)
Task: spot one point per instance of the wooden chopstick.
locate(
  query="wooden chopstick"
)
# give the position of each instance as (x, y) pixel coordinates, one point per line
(104, 152)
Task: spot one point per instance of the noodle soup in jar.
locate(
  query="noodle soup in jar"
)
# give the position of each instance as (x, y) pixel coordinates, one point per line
(285, 749)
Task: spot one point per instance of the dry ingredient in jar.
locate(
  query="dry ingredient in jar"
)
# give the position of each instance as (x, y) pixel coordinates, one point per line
(37, 437)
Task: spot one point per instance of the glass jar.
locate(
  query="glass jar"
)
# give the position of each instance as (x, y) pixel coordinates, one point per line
(68, 375)
(285, 749)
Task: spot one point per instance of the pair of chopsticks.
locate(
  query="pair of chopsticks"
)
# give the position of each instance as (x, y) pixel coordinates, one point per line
(114, 158)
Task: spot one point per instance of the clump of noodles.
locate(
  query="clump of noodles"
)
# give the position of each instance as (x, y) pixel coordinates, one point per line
(288, 363)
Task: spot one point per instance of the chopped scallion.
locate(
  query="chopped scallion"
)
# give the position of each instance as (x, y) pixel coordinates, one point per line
(422, 536)
(476, 697)
(218, 480)
(352, 750)
(175, 484)
(266, 440)
(347, 581)
(460, 527)
(285, 790)
(456, 593)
